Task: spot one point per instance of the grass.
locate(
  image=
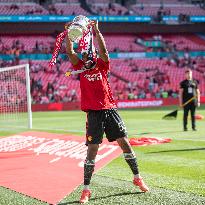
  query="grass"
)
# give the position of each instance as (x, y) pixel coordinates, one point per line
(175, 171)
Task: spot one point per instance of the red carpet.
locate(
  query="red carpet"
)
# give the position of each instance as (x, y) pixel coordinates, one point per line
(47, 166)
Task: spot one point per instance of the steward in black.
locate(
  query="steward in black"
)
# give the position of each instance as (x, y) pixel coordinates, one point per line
(189, 89)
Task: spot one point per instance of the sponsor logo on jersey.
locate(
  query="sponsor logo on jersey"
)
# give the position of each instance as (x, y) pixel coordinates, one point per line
(93, 77)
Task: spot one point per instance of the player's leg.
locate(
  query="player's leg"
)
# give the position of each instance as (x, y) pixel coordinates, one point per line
(130, 158)
(185, 116)
(90, 164)
(115, 130)
(193, 120)
(94, 135)
(129, 155)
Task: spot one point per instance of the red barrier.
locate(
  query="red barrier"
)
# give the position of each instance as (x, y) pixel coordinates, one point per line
(146, 103)
(56, 106)
(203, 99)
(141, 103)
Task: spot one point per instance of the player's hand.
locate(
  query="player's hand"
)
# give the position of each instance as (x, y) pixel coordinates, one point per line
(67, 25)
(94, 23)
(198, 104)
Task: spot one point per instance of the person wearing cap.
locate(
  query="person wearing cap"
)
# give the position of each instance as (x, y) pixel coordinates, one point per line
(188, 90)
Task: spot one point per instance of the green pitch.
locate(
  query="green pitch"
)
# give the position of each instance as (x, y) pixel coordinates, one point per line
(175, 171)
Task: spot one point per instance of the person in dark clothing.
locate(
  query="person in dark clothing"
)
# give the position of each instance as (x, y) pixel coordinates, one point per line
(189, 89)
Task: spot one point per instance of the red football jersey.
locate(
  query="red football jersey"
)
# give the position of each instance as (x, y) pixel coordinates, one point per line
(95, 88)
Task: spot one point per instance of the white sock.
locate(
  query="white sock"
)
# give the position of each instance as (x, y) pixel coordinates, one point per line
(137, 176)
(86, 187)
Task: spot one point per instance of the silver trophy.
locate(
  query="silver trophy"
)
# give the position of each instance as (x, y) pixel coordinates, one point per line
(78, 27)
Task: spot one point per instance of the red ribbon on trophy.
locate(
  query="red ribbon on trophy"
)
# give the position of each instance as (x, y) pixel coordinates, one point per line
(80, 27)
(58, 43)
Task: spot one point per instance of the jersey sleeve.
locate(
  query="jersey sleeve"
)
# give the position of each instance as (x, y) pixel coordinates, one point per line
(78, 66)
(104, 65)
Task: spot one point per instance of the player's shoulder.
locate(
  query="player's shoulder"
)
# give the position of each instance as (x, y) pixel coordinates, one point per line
(102, 63)
(183, 82)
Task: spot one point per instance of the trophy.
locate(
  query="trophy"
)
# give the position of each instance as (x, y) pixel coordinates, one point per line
(78, 27)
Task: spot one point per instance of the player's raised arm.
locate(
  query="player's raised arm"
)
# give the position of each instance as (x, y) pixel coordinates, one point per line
(101, 42)
(69, 49)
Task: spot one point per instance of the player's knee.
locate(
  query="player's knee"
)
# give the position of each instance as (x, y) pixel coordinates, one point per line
(123, 140)
(124, 144)
(92, 151)
(93, 147)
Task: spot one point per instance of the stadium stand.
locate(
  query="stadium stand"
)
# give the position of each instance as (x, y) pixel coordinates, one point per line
(67, 9)
(179, 42)
(22, 8)
(130, 79)
(17, 1)
(146, 7)
(26, 44)
(66, 1)
(102, 7)
(108, 9)
(115, 43)
(153, 10)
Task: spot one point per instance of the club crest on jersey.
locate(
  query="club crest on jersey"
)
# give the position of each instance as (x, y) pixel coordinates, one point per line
(90, 138)
(93, 77)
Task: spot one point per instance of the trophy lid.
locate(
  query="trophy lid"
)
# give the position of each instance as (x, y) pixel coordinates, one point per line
(81, 17)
